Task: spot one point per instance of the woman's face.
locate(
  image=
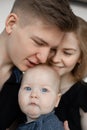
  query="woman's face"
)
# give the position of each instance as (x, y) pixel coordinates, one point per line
(68, 54)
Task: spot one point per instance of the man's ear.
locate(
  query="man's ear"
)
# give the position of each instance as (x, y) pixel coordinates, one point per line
(10, 22)
(58, 99)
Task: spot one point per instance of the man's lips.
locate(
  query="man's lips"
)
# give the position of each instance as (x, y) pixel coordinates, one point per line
(30, 63)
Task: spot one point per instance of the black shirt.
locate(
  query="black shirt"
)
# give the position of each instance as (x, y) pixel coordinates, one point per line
(70, 103)
(9, 108)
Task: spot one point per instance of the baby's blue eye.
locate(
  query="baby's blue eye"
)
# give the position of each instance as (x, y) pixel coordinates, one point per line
(28, 88)
(44, 90)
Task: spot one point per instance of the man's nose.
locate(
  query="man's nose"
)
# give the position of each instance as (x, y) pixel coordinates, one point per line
(43, 55)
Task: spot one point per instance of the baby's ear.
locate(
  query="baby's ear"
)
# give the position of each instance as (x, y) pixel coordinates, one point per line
(58, 99)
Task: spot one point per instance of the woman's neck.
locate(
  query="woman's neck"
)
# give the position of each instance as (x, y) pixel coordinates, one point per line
(66, 82)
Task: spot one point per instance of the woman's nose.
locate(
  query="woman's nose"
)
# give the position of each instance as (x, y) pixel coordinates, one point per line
(56, 58)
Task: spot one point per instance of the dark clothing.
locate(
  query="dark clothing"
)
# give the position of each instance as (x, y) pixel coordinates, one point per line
(44, 122)
(70, 103)
(9, 109)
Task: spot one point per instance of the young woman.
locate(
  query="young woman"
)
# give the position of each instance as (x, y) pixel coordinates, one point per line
(71, 63)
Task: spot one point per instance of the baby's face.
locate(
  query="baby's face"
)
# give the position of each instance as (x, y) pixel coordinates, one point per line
(38, 94)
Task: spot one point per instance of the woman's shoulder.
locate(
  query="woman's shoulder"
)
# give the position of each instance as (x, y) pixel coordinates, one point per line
(82, 85)
(76, 91)
(77, 87)
(82, 97)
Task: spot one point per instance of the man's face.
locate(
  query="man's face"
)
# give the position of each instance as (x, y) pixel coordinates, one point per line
(32, 44)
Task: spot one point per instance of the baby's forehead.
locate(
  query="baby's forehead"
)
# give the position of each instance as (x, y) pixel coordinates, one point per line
(42, 70)
(42, 74)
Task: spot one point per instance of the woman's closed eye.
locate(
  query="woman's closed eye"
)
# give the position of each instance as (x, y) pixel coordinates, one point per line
(68, 53)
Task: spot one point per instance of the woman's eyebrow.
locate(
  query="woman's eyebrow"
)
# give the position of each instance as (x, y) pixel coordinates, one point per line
(70, 49)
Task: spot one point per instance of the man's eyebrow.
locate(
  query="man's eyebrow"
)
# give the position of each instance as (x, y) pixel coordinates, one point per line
(37, 39)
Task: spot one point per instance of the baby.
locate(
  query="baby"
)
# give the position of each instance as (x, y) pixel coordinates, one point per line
(38, 96)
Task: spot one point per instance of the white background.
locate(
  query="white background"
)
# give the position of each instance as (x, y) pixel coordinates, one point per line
(6, 5)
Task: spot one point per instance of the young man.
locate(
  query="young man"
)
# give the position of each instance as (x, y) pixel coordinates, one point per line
(33, 30)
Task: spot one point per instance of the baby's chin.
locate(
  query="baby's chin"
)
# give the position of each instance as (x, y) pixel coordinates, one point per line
(33, 116)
